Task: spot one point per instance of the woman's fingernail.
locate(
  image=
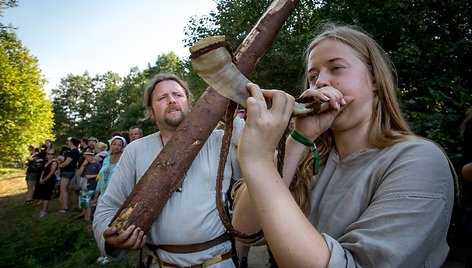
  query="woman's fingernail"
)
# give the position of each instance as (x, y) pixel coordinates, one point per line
(338, 106)
(325, 98)
(343, 101)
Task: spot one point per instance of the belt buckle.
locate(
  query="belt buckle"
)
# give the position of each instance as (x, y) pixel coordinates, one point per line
(211, 261)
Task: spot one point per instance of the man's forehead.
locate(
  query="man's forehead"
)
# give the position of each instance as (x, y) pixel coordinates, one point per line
(168, 86)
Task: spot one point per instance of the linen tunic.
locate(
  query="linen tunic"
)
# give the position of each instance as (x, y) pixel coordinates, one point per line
(386, 207)
(189, 216)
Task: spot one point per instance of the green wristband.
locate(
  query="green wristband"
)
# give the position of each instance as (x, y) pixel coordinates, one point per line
(307, 142)
(300, 138)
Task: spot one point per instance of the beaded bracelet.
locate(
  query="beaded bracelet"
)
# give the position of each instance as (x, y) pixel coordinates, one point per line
(305, 141)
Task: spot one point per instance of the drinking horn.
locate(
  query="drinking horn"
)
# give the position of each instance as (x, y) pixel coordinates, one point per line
(212, 60)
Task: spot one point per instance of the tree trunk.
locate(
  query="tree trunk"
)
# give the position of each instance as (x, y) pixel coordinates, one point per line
(168, 170)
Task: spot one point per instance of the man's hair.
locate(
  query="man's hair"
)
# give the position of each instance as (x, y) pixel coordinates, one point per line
(133, 127)
(154, 81)
(75, 141)
(102, 145)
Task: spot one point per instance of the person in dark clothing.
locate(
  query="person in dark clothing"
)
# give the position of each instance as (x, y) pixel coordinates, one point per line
(31, 173)
(68, 168)
(46, 182)
(88, 182)
(465, 169)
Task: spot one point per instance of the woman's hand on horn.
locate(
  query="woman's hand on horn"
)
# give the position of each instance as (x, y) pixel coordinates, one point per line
(264, 126)
(312, 126)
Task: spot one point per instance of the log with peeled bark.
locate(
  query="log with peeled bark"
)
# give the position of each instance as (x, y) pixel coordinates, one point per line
(167, 171)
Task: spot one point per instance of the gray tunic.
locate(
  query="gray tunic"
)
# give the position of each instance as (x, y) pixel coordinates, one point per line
(189, 216)
(385, 207)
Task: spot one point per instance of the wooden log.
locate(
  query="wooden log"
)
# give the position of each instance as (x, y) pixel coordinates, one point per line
(168, 170)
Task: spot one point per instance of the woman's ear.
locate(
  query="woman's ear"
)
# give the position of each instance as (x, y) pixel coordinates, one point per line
(374, 84)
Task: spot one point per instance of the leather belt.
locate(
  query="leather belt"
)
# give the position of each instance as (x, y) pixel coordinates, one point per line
(206, 263)
(192, 247)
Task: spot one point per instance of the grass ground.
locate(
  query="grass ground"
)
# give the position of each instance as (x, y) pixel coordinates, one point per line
(57, 240)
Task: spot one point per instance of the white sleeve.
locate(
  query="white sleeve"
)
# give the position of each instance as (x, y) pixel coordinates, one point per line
(120, 186)
(238, 125)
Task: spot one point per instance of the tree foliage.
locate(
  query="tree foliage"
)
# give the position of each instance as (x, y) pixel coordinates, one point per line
(25, 114)
(4, 4)
(82, 102)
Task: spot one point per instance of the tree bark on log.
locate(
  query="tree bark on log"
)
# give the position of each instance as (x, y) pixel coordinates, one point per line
(168, 170)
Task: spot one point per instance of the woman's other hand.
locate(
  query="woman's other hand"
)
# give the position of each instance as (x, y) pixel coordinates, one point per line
(264, 126)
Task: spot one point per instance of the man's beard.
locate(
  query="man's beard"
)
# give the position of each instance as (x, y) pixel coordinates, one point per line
(175, 121)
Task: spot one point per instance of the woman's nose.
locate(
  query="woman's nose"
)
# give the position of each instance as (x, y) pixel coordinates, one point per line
(322, 80)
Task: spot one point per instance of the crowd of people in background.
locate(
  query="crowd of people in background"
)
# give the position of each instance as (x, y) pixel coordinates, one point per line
(76, 173)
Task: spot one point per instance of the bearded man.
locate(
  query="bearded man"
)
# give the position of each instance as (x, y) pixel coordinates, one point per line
(188, 231)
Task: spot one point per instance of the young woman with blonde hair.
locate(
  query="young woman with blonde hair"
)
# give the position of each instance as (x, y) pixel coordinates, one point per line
(375, 195)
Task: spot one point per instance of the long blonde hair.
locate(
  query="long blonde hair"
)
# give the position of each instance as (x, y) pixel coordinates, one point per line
(388, 124)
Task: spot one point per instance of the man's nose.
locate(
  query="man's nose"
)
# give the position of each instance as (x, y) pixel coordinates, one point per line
(171, 99)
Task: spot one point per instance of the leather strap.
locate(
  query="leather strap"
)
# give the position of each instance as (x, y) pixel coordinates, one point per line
(224, 217)
(192, 247)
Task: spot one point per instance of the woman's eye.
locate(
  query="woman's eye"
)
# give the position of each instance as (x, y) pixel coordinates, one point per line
(312, 78)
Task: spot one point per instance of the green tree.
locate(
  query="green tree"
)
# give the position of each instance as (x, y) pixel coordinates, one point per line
(26, 114)
(86, 106)
(131, 93)
(71, 103)
(108, 108)
(4, 4)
